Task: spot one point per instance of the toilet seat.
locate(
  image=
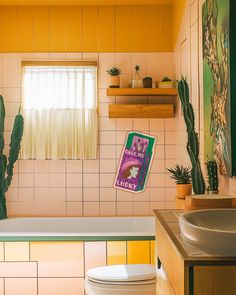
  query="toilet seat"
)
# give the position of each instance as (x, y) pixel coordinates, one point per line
(123, 274)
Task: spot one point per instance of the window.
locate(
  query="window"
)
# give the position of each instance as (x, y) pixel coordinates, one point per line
(59, 106)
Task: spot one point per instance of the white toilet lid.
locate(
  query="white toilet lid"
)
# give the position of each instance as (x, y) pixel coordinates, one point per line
(122, 273)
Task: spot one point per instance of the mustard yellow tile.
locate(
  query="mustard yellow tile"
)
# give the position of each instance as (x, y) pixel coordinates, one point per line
(106, 29)
(41, 29)
(74, 29)
(60, 286)
(16, 251)
(58, 28)
(25, 28)
(123, 29)
(153, 252)
(139, 28)
(8, 30)
(138, 252)
(20, 286)
(58, 259)
(90, 29)
(1, 251)
(95, 254)
(116, 252)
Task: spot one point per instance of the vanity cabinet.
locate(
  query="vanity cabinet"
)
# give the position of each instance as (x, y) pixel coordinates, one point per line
(186, 270)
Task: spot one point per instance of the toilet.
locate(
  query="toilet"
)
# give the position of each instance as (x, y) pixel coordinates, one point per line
(125, 279)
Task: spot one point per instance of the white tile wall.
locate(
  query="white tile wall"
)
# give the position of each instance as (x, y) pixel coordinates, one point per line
(85, 187)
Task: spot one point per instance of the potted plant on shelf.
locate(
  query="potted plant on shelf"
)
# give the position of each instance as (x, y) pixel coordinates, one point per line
(166, 83)
(114, 81)
(137, 81)
(147, 82)
(212, 175)
(182, 177)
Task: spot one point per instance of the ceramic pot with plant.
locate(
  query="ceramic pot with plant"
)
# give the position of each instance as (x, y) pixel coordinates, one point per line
(212, 175)
(166, 83)
(137, 82)
(182, 177)
(147, 82)
(114, 77)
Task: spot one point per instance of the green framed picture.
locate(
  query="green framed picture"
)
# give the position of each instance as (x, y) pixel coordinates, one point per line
(219, 83)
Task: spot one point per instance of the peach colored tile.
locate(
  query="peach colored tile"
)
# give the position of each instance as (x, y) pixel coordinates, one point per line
(95, 254)
(42, 194)
(107, 137)
(1, 251)
(107, 180)
(107, 208)
(74, 180)
(156, 205)
(125, 208)
(107, 194)
(58, 259)
(119, 150)
(157, 180)
(124, 196)
(57, 180)
(168, 181)
(121, 137)
(41, 180)
(18, 269)
(141, 197)
(157, 194)
(107, 151)
(26, 180)
(124, 124)
(106, 124)
(141, 208)
(12, 108)
(159, 152)
(157, 166)
(21, 286)
(91, 208)
(170, 137)
(74, 209)
(170, 194)
(41, 166)
(156, 124)
(26, 166)
(12, 194)
(171, 151)
(160, 136)
(102, 96)
(12, 94)
(90, 166)
(170, 205)
(90, 56)
(140, 58)
(123, 61)
(15, 180)
(16, 251)
(125, 80)
(90, 194)
(74, 166)
(57, 194)
(1, 286)
(26, 194)
(60, 286)
(171, 124)
(141, 124)
(57, 166)
(91, 180)
(103, 109)
(107, 166)
(74, 194)
(9, 121)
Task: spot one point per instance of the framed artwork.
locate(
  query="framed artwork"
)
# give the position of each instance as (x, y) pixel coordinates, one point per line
(219, 83)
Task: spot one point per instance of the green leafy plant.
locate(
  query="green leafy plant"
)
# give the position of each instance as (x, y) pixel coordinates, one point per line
(114, 71)
(166, 79)
(212, 173)
(181, 174)
(7, 164)
(193, 141)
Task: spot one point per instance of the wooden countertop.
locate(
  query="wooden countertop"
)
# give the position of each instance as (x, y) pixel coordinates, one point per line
(190, 254)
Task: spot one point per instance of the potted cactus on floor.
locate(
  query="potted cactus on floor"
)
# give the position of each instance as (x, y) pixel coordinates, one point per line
(7, 164)
(182, 177)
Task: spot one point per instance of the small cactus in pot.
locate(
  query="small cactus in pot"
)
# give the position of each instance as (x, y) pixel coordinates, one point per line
(7, 164)
(213, 180)
(182, 177)
(114, 74)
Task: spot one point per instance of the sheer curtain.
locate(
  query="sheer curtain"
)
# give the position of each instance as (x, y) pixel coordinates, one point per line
(60, 111)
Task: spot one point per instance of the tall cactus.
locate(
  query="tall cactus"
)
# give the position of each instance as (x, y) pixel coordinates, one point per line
(7, 165)
(212, 173)
(193, 142)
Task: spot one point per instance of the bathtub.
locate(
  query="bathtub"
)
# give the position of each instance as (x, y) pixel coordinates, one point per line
(52, 255)
(78, 228)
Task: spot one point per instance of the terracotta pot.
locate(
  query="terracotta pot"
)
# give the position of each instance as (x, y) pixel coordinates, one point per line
(183, 190)
(114, 82)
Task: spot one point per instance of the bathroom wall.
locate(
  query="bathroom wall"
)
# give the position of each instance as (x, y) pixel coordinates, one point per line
(85, 188)
(188, 62)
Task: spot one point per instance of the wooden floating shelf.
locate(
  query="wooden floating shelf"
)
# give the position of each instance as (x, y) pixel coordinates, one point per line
(141, 91)
(141, 111)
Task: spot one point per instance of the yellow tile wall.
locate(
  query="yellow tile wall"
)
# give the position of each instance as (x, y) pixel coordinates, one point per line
(138, 252)
(86, 28)
(116, 252)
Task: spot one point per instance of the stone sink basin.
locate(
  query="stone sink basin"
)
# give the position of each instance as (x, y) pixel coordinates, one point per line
(212, 230)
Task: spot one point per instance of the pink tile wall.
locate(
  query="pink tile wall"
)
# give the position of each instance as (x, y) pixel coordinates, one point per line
(85, 187)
